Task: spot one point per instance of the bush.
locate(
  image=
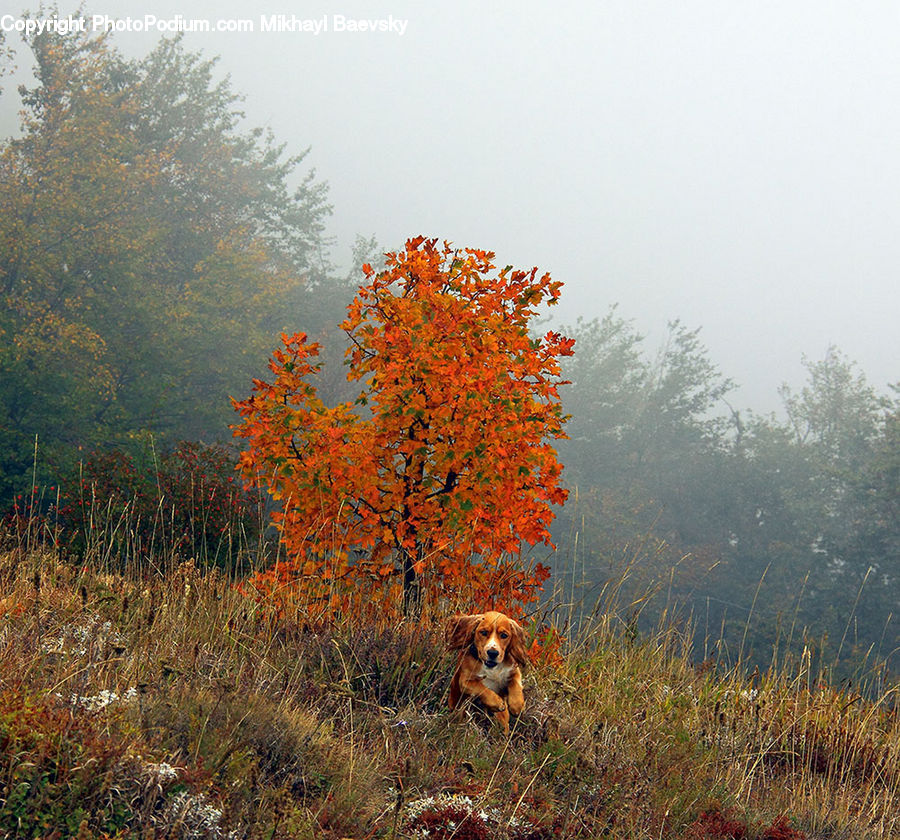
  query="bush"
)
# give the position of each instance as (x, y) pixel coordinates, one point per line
(67, 770)
(189, 503)
(31, 520)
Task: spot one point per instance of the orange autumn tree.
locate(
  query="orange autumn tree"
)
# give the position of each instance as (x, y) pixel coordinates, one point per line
(443, 468)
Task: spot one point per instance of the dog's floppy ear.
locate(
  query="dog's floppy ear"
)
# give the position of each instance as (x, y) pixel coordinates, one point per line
(516, 650)
(461, 631)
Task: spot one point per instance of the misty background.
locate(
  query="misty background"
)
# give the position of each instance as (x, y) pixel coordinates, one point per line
(715, 184)
(732, 165)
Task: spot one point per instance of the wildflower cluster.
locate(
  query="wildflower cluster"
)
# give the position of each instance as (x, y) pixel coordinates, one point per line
(459, 816)
(77, 639)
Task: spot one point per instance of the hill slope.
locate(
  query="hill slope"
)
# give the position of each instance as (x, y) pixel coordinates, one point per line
(171, 706)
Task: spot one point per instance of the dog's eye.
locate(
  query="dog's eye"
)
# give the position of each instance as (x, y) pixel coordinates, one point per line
(504, 635)
(484, 632)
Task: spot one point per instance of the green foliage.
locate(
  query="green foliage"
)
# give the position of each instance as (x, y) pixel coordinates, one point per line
(148, 511)
(65, 770)
(778, 531)
(149, 250)
(645, 452)
(632, 415)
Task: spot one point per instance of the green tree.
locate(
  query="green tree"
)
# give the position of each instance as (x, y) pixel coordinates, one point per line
(785, 522)
(647, 453)
(816, 507)
(150, 250)
(837, 420)
(609, 377)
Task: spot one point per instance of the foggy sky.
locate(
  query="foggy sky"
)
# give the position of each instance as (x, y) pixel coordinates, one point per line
(732, 164)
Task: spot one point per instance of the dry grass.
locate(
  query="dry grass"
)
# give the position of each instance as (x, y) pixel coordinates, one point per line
(139, 703)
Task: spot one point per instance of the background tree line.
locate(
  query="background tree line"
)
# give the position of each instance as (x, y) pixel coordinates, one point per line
(770, 532)
(152, 248)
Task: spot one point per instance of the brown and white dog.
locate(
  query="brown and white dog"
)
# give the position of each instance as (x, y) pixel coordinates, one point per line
(492, 656)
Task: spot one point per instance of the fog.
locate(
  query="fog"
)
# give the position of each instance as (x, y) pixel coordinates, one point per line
(734, 165)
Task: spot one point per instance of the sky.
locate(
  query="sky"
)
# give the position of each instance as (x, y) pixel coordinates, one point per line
(735, 165)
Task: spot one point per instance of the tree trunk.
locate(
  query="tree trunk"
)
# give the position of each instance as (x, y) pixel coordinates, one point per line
(412, 593)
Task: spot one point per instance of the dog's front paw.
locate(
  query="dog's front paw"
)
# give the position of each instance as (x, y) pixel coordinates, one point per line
(494, 703)
(502, 717)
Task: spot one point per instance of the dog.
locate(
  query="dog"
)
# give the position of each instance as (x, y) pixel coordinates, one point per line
(492, 657)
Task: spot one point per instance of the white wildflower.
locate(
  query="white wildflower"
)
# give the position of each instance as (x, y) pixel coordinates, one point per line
(490, 817)
(105, 698)
(76, 639)
(95, 702)
(197, 817)
(163, 772)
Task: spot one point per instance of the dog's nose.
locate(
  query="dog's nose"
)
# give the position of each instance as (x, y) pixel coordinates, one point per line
(492, 653)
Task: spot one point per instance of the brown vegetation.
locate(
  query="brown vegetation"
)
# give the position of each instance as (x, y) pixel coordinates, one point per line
(140, 703)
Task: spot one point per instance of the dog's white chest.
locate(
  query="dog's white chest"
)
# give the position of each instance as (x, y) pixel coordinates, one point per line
(498, 677)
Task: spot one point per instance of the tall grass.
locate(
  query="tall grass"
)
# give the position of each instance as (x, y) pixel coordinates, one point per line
(141, 694)
(111, 531)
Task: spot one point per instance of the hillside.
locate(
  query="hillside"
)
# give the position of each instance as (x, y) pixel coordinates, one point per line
(140, 704)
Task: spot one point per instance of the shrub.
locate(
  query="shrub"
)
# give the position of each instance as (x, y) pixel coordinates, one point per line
(68, 770)
(716, 825)
(31, 520)
(188, 503)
